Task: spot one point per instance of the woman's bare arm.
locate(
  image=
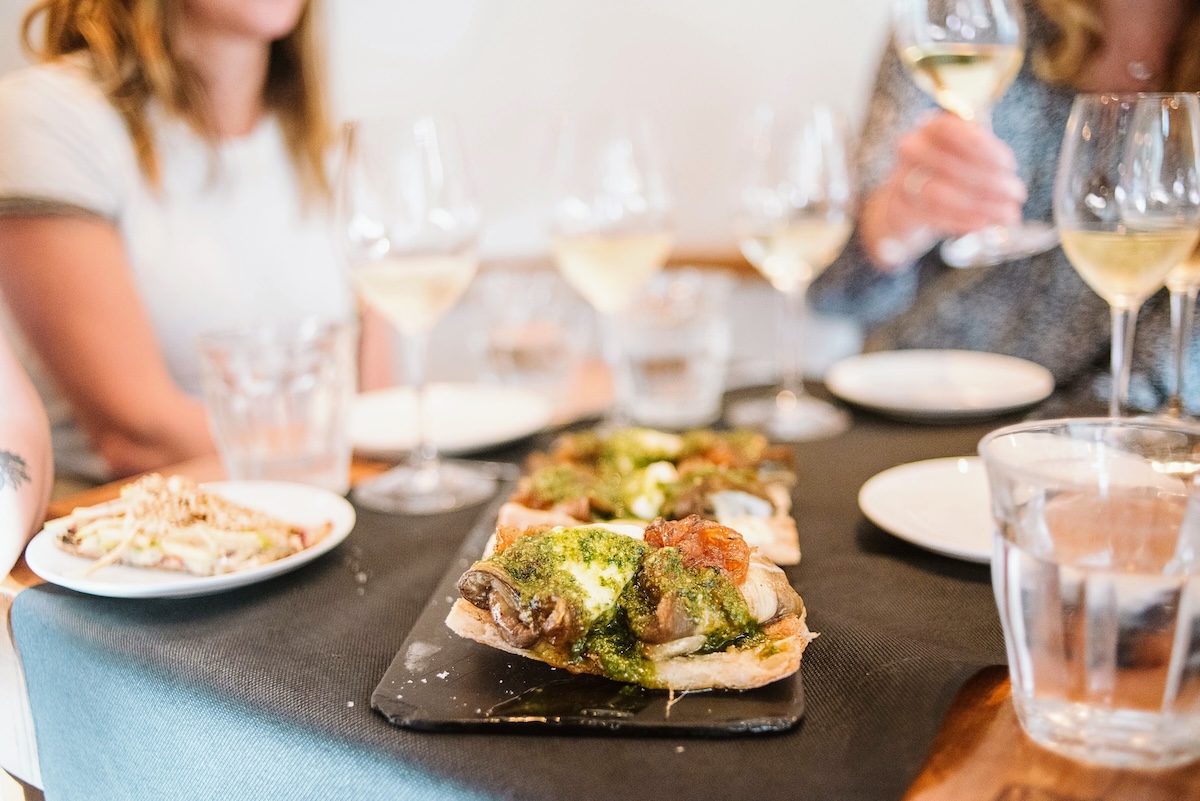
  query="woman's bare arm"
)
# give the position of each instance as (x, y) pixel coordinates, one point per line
(26, 461)
(68, 285)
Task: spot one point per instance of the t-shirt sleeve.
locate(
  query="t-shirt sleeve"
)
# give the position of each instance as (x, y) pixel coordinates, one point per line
(62, 145)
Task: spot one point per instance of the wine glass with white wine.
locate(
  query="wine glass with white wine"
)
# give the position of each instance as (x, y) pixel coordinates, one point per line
(795, 213)
(410, 230)
(964, 54)
(1127, 203)
(610, 223)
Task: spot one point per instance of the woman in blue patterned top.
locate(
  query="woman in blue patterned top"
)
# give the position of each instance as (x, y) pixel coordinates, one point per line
(927, 175)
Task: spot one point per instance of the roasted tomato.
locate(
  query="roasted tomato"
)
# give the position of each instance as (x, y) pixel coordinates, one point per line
(703, 543)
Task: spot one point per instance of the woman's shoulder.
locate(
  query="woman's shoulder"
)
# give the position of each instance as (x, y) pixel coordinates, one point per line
(61, 141)
(61, 90)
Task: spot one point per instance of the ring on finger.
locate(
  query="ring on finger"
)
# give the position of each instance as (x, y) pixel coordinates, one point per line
(915, 180)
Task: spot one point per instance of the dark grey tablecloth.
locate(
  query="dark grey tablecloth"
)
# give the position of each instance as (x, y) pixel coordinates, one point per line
(263, 692)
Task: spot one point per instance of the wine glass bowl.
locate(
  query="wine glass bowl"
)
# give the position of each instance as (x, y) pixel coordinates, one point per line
(794, 216)
(965, 54)
(1127, 203)
(610, 226)
(410, 233)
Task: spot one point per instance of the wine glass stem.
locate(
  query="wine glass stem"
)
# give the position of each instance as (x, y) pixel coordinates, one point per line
(791, 330)
(423, 458)
(613, 349)
(1123, 320)
(1183, 311)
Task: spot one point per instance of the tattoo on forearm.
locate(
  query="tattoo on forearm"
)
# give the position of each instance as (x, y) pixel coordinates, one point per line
(13, 472)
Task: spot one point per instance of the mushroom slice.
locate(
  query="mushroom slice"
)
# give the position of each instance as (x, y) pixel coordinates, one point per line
(490, 588)
(768, 592)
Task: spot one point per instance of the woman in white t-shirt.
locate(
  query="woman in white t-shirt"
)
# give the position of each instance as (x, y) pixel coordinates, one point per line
(162, 174)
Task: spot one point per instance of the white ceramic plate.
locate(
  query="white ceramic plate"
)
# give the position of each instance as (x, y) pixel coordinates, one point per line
(461, 418)
(939, 385)
(297, 503)
(940, 504)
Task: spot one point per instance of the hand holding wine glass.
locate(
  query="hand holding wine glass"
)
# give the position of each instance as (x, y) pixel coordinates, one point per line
(1127, 203)
(411, 231)
(964, 54)
(795, 213)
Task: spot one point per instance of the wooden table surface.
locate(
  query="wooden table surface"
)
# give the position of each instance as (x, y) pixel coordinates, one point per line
(979, 753)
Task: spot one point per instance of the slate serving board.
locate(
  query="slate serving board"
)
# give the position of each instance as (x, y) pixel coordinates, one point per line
(439, 681)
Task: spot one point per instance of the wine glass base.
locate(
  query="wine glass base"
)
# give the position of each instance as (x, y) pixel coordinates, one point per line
(441, 487)
(997, 245)
(788, 418)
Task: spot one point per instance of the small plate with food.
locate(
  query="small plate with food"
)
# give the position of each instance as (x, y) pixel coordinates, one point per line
(173, 538)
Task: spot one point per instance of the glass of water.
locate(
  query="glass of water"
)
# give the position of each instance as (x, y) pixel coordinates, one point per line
(278, 398)
(1096, 570)
(675, 343)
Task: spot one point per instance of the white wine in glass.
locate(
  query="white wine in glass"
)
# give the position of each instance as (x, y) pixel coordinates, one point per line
(965, 54)
(795, 214)
(610, 224)
(966, 79)
(609, 269)
(1127, 202)
(410, 229)
(1123, 265)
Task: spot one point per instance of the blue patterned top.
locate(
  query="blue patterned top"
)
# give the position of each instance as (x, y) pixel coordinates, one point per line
(1036, 308)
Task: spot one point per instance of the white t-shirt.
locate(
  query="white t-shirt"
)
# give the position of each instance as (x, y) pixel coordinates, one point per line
(226, 241)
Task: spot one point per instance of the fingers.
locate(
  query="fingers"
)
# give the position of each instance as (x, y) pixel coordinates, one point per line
(955, 177)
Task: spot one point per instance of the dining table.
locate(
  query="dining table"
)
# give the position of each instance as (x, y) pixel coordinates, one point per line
(264, 691)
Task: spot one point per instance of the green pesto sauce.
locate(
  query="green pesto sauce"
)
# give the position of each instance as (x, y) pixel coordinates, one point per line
(606, 637)
(559, 482)
(708, 596)
(614, 648)
(535, 564)
(635, 448)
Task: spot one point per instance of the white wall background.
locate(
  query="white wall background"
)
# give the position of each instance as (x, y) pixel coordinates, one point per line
(505, 68)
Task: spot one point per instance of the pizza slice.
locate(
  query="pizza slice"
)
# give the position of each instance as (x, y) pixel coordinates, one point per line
(680, 605)
(735, 478)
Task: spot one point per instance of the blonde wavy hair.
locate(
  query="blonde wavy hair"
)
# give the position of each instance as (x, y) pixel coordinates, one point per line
(130, 46)
(1081, 35)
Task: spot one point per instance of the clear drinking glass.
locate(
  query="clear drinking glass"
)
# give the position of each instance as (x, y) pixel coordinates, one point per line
(411, 230)
(1096, 570)
(610, 222)
(795, 213)
(1127, 203)
(278, 399)
(964, 54)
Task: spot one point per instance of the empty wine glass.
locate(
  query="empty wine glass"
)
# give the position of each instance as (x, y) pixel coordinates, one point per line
(795, 213)
(410, 231)
(964, 54)
(1127, 203)
(610, 223)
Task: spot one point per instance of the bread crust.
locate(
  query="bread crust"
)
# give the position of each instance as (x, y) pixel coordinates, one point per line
(732, 669)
